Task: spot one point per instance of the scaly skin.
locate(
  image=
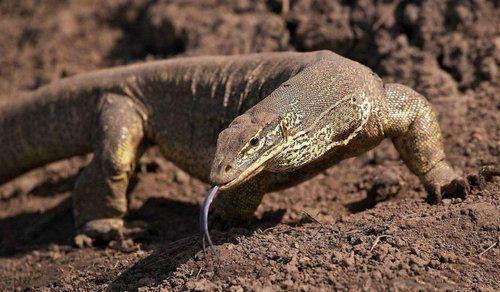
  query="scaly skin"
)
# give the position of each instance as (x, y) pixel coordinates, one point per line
(183, 104)
(332, 110)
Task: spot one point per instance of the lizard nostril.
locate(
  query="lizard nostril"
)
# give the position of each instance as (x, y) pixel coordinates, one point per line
(228, 168)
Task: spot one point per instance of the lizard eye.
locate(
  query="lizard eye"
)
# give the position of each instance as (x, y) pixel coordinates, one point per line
(254, 141)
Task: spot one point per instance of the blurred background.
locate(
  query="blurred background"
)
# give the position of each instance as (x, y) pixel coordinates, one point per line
(453, 43)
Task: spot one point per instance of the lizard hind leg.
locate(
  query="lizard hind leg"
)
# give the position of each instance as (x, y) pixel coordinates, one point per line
(415, 132)
(99, 199)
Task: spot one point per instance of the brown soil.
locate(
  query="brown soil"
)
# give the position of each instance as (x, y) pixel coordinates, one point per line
(363, 224)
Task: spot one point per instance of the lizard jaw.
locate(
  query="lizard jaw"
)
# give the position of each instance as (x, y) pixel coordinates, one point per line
(243, 177)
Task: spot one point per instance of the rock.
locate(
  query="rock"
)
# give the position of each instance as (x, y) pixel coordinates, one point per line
(385, 186)
(434, 264)
(485, 216)
(347, 262)
(447, 257)
(417, 261)
(236, 288)
(82, 241)
(204, 285)
(489, 172)
(376, 275)
(126, 246)
(181, 177)
(288, 284)
(146, 281)
(304, 261)
(411, 13)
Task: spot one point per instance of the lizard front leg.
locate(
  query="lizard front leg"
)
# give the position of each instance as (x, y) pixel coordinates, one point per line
(100, 193)
(415, 132)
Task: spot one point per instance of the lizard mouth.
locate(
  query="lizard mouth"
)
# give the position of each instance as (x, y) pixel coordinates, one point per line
(254, 169)
(243, 177)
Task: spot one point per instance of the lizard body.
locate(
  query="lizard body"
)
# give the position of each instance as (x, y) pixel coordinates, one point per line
(307, 110)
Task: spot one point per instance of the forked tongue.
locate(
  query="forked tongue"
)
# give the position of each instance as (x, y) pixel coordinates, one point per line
(205, 207)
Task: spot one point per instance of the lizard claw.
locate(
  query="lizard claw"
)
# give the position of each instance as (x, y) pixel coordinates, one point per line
(456, 188)
(110, 229)
(443, 182)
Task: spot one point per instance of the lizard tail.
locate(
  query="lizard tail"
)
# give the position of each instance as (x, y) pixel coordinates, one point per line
(41, 127)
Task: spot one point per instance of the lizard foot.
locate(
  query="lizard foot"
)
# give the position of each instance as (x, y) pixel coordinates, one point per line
(110, 229)
(456, 188)
(442, 182)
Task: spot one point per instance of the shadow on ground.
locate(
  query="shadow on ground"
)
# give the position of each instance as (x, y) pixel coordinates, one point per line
(174, 242)
(165, 259)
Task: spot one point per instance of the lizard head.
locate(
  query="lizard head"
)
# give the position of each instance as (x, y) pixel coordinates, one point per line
(246, 146)
(323, 107)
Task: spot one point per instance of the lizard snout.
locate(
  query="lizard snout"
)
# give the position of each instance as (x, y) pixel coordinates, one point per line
(222, 173)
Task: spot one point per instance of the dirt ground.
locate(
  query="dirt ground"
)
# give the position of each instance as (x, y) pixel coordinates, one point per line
(362, 225)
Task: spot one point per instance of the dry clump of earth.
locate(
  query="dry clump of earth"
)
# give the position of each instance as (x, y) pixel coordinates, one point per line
(363, 224)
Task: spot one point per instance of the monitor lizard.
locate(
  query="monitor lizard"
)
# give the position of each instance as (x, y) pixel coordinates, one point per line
(290, 116)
